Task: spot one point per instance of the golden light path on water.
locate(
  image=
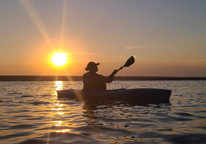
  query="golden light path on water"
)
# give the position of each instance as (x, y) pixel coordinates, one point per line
(59, 86)
(59, 108)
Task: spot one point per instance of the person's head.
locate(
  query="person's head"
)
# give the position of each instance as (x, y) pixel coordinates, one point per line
(92, 67)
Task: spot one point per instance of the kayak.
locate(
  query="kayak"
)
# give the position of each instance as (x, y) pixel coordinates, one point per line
(142, 95)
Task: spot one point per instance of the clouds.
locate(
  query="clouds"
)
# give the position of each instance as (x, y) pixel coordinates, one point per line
(196, 62)
(136, 47)
(82, 53)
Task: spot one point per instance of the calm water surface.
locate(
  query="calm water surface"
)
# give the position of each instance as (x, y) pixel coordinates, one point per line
(31, 114)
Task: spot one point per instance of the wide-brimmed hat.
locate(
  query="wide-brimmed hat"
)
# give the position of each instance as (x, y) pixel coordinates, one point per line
(91, 65)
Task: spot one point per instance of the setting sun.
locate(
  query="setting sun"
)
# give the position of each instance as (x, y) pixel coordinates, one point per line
(59, 59)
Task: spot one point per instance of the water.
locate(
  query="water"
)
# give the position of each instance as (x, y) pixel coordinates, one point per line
(31, 114)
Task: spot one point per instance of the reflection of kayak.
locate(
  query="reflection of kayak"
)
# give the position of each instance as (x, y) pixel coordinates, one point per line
(145, 95)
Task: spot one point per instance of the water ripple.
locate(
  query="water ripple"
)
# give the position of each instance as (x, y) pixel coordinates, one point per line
(31, 113)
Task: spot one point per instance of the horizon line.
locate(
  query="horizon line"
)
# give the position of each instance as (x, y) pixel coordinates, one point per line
(80, 78)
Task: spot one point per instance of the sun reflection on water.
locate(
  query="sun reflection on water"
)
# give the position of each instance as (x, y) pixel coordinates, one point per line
(64, 130)
(58, 108)
(59, 85)
(58, 111)
(58, 123)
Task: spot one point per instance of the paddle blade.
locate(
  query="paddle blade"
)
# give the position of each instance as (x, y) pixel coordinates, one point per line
(129, 62)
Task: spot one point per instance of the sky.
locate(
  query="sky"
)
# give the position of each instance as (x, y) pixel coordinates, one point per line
(167, 37)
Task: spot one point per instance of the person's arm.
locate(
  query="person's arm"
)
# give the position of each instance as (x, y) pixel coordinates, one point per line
(110, 78)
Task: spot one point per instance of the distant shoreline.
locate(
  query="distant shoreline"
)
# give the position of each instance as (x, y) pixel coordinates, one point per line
(79, 78)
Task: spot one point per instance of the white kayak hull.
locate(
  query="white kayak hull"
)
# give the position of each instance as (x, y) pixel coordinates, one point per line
(142, 95)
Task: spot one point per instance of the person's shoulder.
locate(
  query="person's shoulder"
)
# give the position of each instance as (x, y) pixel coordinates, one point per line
(86, 75)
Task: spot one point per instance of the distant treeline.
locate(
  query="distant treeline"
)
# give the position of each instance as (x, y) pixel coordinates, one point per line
(79, 78)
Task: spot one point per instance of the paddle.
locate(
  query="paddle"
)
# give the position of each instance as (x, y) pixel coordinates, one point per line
(129, 62)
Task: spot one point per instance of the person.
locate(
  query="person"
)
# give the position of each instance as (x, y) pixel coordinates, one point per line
(93, 81)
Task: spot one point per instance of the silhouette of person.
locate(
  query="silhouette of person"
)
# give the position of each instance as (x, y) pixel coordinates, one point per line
(93, 81)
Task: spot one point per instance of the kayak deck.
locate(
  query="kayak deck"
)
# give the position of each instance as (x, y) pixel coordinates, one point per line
(142, 95)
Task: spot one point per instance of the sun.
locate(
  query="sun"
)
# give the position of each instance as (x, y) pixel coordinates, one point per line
(59, 59)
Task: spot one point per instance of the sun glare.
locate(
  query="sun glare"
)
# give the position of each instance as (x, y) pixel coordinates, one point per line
(59, 59)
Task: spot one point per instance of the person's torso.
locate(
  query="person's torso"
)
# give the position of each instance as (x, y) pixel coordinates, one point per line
(94, 82)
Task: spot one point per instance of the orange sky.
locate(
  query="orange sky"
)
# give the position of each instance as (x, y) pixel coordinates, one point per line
(167, 37)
